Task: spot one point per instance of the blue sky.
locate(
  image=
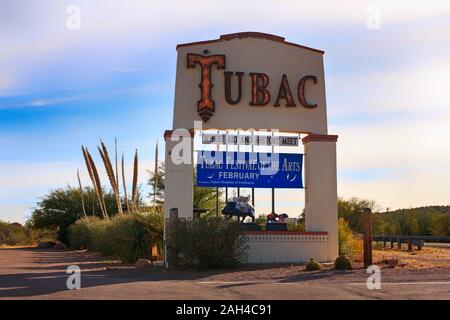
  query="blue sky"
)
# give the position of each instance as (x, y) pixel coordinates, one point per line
(388, 89)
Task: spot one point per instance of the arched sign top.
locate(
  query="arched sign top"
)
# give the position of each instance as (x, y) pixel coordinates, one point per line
(250, 80)
(249, 34)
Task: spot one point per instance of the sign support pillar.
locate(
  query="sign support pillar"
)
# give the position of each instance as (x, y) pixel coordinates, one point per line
(179, 191)
(321, 189)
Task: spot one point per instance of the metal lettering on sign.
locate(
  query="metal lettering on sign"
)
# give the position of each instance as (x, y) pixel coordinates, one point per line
(250, 140)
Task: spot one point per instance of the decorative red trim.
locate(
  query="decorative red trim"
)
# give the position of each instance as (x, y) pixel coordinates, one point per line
(297, 233)
(241, 35)
(249, 34)
(319, 137)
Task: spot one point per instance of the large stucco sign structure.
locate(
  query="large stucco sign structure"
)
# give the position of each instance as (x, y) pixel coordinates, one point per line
(261, 82)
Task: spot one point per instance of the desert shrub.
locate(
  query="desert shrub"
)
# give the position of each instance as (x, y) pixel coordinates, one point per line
(99, 236)
(132, 236)
(128, 238)
(313, 265)
(61, 208)
(206, 243)
(14, 234)
(342, 263)
(80, 233)
(11, 234)
(348, 244)
(38, 235)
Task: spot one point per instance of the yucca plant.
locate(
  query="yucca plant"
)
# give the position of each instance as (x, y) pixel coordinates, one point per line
(124, 183)
(135, 179)
(132, 236)
(132, 203)
(95, 179)
(111, 175)
(81, 192)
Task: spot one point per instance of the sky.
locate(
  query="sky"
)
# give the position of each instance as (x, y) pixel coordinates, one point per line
(387, 73)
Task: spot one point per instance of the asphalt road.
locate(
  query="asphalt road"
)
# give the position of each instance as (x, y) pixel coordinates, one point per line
(41, 274)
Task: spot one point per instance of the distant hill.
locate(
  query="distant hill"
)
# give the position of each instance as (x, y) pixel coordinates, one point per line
(429, 220)
(426, 209)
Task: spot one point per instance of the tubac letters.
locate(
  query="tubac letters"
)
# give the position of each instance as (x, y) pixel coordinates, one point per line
(259, 82)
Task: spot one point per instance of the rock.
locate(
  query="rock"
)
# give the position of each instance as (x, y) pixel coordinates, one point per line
(143, 263)
(392, 263)
(342, 263)
(60, 246)
(46, 244)
(313, 265)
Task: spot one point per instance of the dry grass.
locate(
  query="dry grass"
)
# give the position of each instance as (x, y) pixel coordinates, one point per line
(426, 258)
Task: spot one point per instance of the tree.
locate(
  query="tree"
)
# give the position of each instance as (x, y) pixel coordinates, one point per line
(159, 190)
(204, 198)
(62, 207)
(351, 211)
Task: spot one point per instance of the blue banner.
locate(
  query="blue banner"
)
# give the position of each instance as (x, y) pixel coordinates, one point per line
(249, 169)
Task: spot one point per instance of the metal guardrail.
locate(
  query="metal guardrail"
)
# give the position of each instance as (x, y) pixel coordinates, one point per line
(418, 241)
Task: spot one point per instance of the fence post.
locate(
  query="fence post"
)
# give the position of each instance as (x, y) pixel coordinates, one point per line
(367, 219)
(173, 215)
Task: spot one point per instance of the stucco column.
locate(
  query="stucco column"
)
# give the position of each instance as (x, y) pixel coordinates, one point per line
(179, 179)
(321, 188)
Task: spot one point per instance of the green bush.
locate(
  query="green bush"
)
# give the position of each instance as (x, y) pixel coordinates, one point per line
(132, 236)
(206, 243)
(313, 265)
(81, 232)
(128, 238)
(342, 263)
(348, 245)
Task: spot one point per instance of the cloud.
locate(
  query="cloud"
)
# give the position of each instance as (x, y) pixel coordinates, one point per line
(407, 144)
(417, 88)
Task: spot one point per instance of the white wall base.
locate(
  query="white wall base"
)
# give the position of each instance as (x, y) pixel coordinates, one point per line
(286, 246)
